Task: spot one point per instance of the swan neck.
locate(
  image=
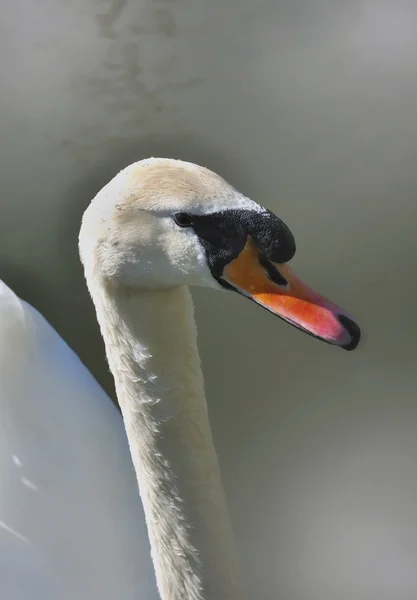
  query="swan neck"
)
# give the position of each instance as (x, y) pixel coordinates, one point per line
(151, 346)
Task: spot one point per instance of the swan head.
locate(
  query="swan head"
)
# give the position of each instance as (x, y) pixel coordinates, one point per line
(165, 222)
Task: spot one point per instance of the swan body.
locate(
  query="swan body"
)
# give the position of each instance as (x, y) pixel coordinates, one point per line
(71, 520)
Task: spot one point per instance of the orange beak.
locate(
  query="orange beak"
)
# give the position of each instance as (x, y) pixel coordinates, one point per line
(275, 287)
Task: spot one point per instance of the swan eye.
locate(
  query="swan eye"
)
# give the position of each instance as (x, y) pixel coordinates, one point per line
(183, 219)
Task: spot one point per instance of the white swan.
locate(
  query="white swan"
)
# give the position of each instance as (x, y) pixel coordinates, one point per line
(159, 226)
(71, 521)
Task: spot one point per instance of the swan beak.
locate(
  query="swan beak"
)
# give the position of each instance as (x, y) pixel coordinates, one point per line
(275, 287)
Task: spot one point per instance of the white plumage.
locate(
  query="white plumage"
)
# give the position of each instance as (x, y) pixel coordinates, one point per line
(71, 519)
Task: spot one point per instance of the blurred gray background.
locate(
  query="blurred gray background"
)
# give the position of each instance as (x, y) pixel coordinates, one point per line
(310, 107)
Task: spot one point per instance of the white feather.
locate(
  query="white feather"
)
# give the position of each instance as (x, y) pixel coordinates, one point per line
(71, 520)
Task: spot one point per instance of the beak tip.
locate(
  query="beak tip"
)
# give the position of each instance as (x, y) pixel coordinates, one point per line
(354, 331)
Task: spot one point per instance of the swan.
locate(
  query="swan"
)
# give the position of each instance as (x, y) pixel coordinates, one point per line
(158, 227)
